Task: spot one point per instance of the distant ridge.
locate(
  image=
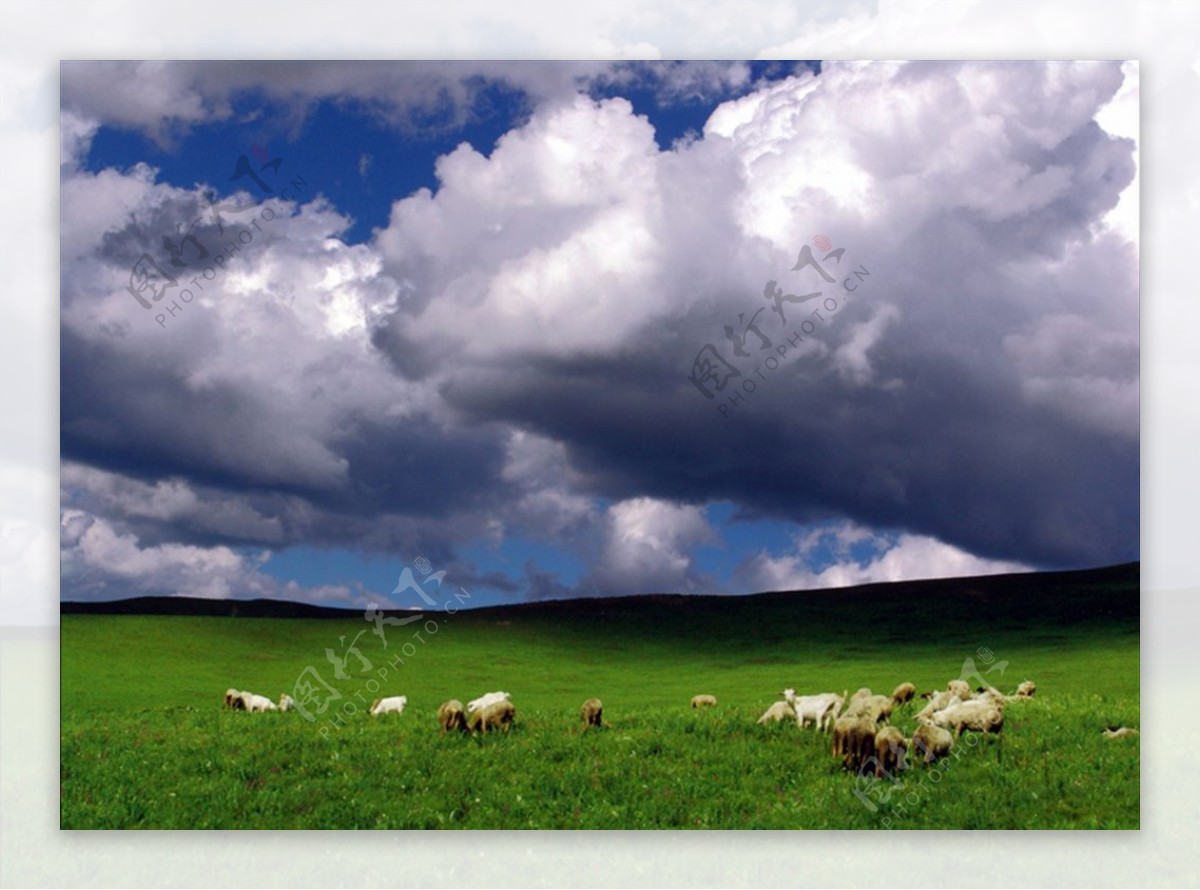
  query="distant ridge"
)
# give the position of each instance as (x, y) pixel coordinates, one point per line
(980, 591)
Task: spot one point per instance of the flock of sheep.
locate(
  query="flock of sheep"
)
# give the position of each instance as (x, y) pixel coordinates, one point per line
(492, 711)
(862, 734)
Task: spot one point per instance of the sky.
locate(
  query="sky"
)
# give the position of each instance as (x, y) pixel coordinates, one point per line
(594, 328)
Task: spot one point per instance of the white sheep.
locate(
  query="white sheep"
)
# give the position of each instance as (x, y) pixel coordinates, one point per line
(977, 716)
(391, 705)
(253, 703)
(1027, 689)
(938, 702)
(485, 701)
(781, 710)
(822, 710)
(703, 701)
(960, 688)
(286, 702)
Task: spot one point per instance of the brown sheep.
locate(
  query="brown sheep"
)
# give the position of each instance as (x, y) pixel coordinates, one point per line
(592, 713)
(931, 742)
(451, 715)
(495, 716)
(703, 701)
(854, 740)
(890, 749)
(904, 693)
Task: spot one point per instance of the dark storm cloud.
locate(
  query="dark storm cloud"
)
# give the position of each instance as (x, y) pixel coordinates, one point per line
(510, 356)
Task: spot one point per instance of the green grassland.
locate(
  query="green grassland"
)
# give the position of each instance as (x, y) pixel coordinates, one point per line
(146, 743)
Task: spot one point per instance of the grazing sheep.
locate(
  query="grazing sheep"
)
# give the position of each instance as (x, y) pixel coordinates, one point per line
(487, 700)
(904, 693)
(931, 742)
(256, 703)
(498, 715)
(781, 710)
(854, 740)
(452, 716)
(592, 713)
(977, 716)
(1124, 732)
(991, 694)
(877, 707)
(286, 702)
(890, 749)
(938, 702)
(233, 699)
(959, 688)
(821, 709)
(393, 704)
(1027, 689)
(703, 701)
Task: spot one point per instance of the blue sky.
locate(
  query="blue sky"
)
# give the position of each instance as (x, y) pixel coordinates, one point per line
(479, 335)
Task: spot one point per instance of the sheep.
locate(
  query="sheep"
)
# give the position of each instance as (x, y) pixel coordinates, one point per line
(451, 716)
(781, 710)
(904, 693)
(233, 699)
(252, 703)
(498, 715)
(854, 740)
(1123, 732)
(890, 749)
(990, 694)
(286, 702)
(938, 702)
(592, 713)
(978, 716)
(932, 742)
(1027, 689)
(821, 709)
(393, 704)
(877, 707)
(703, 701)
(486, 700)
(959, 688)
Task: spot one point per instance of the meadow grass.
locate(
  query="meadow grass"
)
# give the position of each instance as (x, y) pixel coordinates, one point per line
(146, 743)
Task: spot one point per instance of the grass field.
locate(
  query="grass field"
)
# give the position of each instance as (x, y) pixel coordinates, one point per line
(146, 743)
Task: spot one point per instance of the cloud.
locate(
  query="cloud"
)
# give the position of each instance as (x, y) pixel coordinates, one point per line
(509, 356)
(99, 562)
(166, 99)
(648, 548)
(884, 558)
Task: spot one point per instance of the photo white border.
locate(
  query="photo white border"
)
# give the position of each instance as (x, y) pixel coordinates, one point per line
(33, 852)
